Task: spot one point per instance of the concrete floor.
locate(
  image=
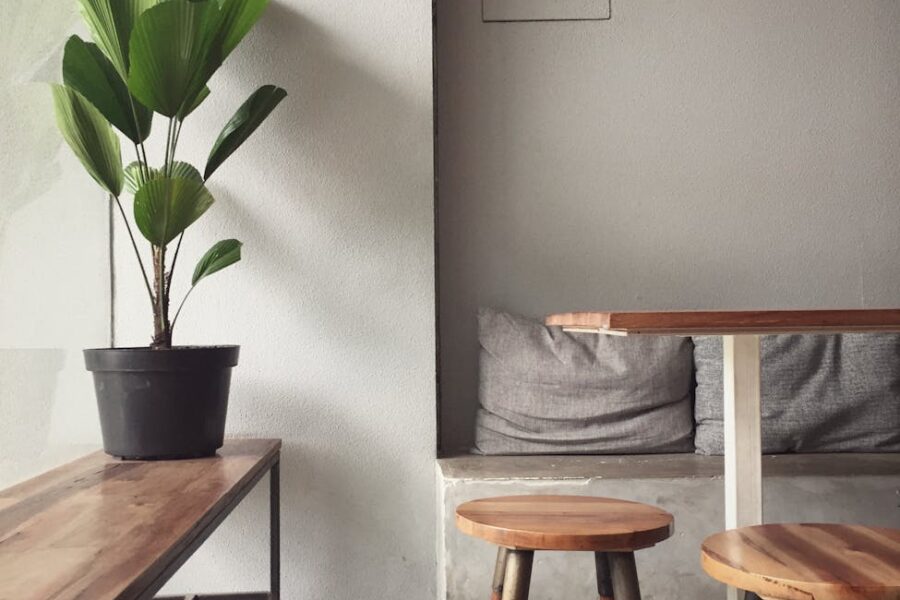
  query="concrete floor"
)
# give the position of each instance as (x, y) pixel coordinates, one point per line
(812, 488)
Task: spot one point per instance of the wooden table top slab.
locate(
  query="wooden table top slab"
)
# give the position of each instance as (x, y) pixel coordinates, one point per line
(807, 561)
(565, 523)
(731, 322)
(100, 528)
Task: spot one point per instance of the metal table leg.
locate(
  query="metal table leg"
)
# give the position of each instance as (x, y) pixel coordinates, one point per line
(517, 581)
(499, 573)
(604, 578)
(623, 573)
(275, 532)
(274, 592)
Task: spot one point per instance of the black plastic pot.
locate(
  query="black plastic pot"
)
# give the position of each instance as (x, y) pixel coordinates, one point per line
(162, 404)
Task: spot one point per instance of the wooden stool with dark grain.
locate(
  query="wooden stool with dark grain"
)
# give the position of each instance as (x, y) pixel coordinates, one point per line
(612, 529)
(808, 561)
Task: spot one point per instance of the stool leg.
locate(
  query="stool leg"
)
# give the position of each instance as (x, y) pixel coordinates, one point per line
(499, 573)
(624, 576)
(517, 581)
(604, 582)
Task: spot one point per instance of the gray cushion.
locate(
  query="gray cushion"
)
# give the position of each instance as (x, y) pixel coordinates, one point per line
(820, 393)
(544, 391)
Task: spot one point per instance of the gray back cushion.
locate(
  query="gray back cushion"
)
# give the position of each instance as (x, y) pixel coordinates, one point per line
(544, 391)
(820, 393)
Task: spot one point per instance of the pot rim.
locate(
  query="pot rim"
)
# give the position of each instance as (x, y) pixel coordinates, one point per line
(146, 359)
(172, 349)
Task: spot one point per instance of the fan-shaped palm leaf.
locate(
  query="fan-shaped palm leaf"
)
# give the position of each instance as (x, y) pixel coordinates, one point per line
(87, 70)
(111, 22)
(166, 206)
(187, 109)
(169, 47)
(90, 136)
(177, 46)
(238, 17)
(248, 117)
(222, 254)
(135, 174)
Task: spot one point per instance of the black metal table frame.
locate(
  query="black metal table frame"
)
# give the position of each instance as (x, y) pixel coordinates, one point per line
(274, 593)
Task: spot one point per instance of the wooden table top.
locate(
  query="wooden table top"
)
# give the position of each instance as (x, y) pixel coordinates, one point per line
(565, 523)
(731, 322)
(100, 528)
(803, 561)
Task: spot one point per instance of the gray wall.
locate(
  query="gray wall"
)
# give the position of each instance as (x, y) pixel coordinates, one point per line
(692, 154)
(333, 303)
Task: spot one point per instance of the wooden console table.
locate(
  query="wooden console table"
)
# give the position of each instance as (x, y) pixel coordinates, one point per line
(100, 528)
(740, 331)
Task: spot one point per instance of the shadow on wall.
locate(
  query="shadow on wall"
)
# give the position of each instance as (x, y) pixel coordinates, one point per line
(351, 130)
(24, 60)
(319, 481)
(28, 380)
(333, 512)
(335, 243)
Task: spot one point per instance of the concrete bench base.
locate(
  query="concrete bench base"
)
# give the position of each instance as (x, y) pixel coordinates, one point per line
(850, 488)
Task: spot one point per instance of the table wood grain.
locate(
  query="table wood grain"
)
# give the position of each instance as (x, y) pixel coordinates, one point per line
(741, 331)
(100, 528)
(731, 322)
(807, 561)
(565, 523)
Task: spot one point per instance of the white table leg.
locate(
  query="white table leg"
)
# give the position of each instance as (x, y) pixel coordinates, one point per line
(743, 445)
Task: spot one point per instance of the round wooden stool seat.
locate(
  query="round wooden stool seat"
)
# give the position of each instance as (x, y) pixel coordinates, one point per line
(807, 561)
(565, 523)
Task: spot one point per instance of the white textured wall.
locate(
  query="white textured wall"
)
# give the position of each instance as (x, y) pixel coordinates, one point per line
(54, 278)
(333, 304)
(691, 154)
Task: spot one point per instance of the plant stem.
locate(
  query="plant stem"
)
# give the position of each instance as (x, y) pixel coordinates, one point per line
(174, 260)
(170, 147)
(136, 251)
(162, 337)
(143, 165)
(175, 130)
(177, 133)
(178, 124)
(180, 306)
(162, 332)
(164, 303)
(137, 153)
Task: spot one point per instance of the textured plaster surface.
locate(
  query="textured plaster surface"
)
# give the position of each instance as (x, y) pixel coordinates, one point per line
(658, 466)
(333, 303)
(54, 278)
(693, 154)
(671, 569)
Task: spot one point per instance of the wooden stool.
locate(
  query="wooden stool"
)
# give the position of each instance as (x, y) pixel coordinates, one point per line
(807, 561)
(612, 529)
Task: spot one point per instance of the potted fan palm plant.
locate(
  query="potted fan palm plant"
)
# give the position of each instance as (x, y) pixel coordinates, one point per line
(154, 58)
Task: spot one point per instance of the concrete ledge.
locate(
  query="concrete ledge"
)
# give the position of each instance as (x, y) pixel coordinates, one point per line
(849, 488)
(658, 466)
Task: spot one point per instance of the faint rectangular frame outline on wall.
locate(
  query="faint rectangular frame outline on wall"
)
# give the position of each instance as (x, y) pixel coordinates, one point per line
(574, 19)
